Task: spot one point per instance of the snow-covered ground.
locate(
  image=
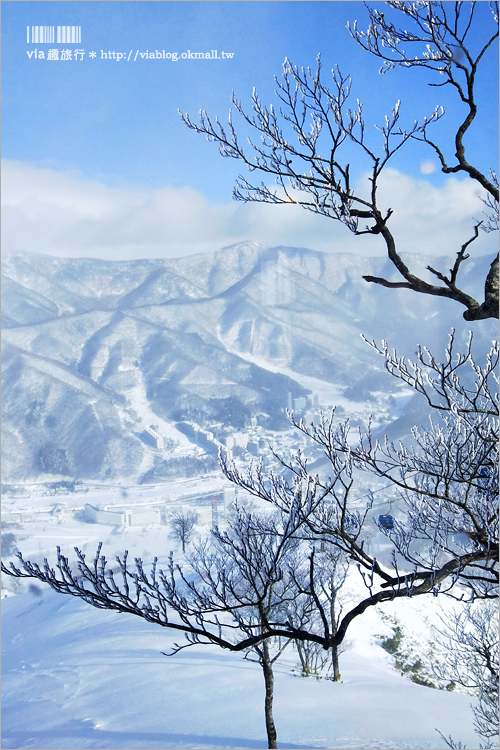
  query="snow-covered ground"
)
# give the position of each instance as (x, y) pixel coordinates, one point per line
(77, 677)
(35, 498)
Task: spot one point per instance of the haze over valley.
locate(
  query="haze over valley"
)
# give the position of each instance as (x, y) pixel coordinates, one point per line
(96, 351)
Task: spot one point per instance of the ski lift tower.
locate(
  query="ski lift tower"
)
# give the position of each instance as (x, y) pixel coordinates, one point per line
(215, 514)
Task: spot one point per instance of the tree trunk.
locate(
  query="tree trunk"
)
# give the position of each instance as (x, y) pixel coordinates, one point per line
(303, 659)
(335, 664)
(334, 620)
(268, 705)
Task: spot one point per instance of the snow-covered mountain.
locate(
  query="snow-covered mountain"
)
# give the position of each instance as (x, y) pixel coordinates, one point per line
(95, 350)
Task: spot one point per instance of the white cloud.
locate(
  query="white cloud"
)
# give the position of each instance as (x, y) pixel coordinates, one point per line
(434, 220)
(61, 213)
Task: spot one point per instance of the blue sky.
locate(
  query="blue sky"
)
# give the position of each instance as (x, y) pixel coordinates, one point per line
(115, 123)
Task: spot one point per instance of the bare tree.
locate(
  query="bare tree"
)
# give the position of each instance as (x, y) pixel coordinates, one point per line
(237, 599)
(312, 657)
(182, 524)
(446, 482)
(469, 637)
(333, 576)
(305, 144)
(330, 574)
(246, 572)
(259, 571)
(248, 585)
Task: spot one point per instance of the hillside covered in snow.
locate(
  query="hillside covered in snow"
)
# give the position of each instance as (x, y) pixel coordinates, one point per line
(94, 351)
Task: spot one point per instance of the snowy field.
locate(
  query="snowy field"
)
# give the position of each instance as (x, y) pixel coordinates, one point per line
(77, 677)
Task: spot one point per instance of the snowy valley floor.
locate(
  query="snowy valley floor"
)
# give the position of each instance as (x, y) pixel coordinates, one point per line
(76, 677)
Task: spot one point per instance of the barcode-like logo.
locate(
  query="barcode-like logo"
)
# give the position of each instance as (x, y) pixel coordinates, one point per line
(51, 34)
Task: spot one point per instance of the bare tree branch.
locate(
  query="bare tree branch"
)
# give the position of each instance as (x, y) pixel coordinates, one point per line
(302, 145)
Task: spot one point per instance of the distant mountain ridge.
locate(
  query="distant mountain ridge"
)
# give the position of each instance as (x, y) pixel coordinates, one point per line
(92, 349)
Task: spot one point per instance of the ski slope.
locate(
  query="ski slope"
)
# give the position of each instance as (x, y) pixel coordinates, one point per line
(77, 677)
